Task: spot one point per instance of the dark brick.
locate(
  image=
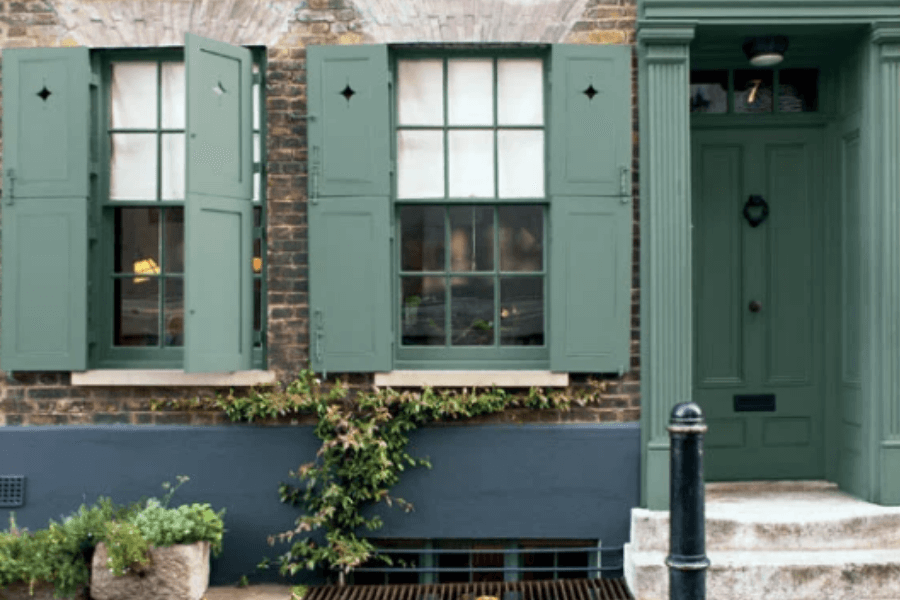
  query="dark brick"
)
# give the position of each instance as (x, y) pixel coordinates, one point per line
(110, 418)
(49, 393)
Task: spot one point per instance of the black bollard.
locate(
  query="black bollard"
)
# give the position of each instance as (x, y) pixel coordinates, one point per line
(687, 559)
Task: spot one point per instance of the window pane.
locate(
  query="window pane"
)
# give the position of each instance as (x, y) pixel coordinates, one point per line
(472, 311)
(174, 311)
(522, 311)
(423, 311)
(174, 240)
(420, 92)
(471, 238)
(137, 241)
(133, 95)
(470, 92)
(257, 304)
(422, 238)
(752, 91)
(521, 163)
(255, 106)
(420, 164)
(173, 102)
(136, 312)
(173, 166)
(256, 159)
(798, 90)
(709, 91)
(520, 92)
(521, 238)
(133, 167)
(471, 164)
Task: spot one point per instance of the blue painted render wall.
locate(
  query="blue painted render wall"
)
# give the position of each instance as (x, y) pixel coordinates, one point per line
(490, 481)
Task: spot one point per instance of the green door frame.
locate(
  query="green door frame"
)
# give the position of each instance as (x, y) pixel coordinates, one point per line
(665, 30)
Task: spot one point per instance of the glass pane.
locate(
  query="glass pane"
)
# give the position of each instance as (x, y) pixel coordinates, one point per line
(423, 311)
(709, 91)
(257, 256)
(752, 91)
(798, 90)
(471, 238)
(520, 162)
(472, 311)
(420, 92)
(137, 241)
(521, 238)
(132, 167)
(257, 304)
(471, 164)
(470, 92)
(420, 164)
(173, 95)
(255, 107)
(520, 92)
(522, 311)
(172, 166)
(256, 159)
(174, 240)
(133, 95)
(136, 312)
(422, 238)
(174, 311)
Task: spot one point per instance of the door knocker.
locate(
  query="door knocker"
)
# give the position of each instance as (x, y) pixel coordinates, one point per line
(756, 210)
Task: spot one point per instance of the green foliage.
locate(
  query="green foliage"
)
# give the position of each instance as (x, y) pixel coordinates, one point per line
(186, 524)
(363, 452)
(126, 548)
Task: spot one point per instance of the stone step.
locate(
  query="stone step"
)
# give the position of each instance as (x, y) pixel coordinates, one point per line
(777, 575)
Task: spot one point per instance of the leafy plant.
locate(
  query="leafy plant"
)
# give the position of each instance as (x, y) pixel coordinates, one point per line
(126, 548)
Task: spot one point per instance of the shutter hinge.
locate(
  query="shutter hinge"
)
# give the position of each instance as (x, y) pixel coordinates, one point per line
(624, 173)
(257, 78)
(257, 167)
(314, 176)
(95, 79)
(11, 173)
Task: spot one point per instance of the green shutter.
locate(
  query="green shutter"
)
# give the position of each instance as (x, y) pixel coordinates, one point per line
(218, 213)
(349, 132)
(590, 120)
(349, 284)
(46, 117)
(590, 284)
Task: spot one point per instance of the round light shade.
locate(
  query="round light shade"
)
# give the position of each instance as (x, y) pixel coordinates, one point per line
(765, 51)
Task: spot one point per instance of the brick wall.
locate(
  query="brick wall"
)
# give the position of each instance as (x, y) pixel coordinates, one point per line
(286, 28)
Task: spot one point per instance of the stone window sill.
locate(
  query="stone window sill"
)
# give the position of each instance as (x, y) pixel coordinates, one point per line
(505, 379)
(170, 378)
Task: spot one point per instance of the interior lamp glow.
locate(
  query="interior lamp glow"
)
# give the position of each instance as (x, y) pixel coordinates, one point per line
(146, 266)
(765, 51)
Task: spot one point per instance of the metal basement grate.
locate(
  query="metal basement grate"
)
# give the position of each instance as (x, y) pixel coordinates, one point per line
(561, 589)
(12, 491)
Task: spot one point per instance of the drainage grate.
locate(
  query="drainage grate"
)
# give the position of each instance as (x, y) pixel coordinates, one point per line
(561, 589)
(12, 491)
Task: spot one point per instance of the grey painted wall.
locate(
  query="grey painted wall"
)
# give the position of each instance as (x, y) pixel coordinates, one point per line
(528, 481)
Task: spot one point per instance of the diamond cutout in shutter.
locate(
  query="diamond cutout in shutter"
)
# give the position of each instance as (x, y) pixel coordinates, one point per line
(347, 92)
(44, 93)
(590, 92)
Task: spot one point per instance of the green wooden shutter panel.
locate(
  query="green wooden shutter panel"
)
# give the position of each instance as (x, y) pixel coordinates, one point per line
(46, 110)
(349, 133)
(590, 284)
(218, 210)
(590, 120)
(349, 284)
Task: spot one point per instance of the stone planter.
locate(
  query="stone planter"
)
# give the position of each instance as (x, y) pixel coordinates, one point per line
(179, 572)
(42, 591)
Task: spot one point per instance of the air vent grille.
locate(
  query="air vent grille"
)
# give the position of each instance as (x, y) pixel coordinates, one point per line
(12, 491)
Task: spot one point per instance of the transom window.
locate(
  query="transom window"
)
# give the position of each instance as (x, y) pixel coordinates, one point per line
(140, 307)
(471, 208)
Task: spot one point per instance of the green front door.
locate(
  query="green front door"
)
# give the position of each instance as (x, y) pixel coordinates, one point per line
(758, 296)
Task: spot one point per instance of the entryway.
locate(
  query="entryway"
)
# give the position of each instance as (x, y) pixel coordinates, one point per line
(758, 289)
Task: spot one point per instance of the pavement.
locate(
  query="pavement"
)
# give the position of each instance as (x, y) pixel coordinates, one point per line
(250, 592)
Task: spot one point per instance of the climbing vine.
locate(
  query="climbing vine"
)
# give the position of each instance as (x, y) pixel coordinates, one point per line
(364, 439)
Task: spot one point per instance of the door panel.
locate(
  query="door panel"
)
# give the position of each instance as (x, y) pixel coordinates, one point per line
(775, 350)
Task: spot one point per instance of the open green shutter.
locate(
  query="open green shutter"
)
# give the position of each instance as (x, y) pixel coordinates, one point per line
(590, 120)
(590, 209)
(349, 131)
(349, 285)
(349, 208)
(46, 117)
(218, 211)
(590, 284)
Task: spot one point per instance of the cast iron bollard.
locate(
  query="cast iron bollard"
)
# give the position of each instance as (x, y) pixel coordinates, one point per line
(687, 559)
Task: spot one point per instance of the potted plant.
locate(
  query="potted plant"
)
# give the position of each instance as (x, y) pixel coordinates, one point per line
(158, 551)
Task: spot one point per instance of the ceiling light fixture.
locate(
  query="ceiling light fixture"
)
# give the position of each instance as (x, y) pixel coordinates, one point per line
(765, 50)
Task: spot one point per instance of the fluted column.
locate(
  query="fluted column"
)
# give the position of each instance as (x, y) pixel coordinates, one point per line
(665, 208)
(884, 323)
